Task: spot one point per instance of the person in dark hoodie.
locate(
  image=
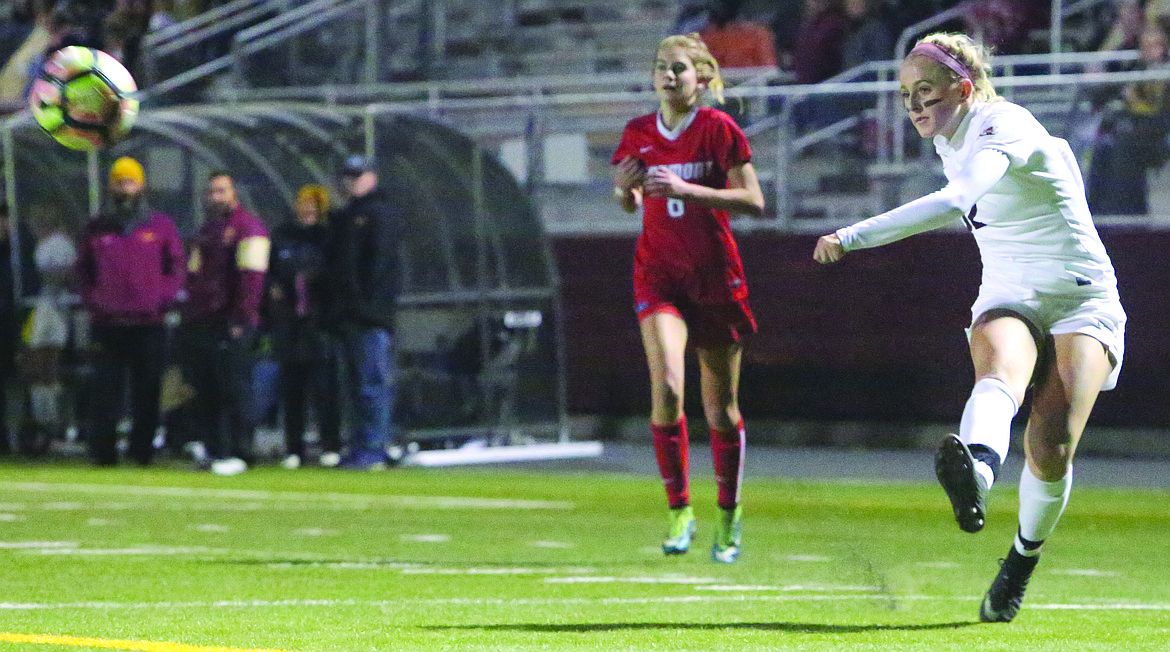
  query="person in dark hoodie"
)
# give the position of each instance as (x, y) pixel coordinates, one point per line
(294, 306)
(129, 271)
(364, 269)
(225, 284)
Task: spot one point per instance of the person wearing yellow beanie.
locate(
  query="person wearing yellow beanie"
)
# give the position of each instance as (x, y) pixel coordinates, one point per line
(129, 272)
(127, 169)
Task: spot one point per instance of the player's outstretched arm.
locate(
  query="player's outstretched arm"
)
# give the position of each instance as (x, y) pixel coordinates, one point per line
(829, 249)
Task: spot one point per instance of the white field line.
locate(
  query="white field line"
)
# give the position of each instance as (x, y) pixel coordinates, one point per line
(36, 545)
(295, 497)
(521, 602)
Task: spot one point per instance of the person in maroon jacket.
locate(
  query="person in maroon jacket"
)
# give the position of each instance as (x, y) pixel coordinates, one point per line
(129, 271)
(225, 284)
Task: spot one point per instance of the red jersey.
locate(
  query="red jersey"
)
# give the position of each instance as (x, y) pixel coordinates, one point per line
(689, 244)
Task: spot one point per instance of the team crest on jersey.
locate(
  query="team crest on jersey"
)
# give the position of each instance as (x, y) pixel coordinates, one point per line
(229, 235)
(148, 236)
(990, 131)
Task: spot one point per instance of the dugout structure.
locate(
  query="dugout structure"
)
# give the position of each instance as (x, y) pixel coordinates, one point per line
(479, 340)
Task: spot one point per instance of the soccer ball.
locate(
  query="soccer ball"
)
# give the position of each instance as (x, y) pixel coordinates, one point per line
(84, 98)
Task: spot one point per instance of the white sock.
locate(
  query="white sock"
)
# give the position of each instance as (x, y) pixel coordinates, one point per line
(987, 420)
(1041, 505)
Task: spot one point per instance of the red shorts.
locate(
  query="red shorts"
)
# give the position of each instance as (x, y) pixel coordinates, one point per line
(709, 325)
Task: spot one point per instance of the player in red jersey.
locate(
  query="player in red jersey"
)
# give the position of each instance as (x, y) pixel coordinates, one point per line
(688, 166)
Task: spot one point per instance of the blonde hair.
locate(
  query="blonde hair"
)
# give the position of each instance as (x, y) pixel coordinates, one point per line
(705, 64)
(319, 195)
(975, 57)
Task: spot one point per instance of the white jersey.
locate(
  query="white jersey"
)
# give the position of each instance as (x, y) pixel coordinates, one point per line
(1019, 190)
(1032, 224)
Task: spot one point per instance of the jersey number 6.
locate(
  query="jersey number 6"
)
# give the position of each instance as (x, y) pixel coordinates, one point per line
(675, 207)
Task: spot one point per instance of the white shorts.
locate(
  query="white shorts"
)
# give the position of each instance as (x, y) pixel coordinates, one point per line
(1099, 316)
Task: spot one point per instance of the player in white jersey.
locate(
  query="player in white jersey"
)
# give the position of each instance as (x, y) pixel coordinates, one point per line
(1048, 313)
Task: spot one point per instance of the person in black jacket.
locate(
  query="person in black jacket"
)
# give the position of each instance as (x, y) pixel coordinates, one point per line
(12, 313)
(295, 313)
(364, 279)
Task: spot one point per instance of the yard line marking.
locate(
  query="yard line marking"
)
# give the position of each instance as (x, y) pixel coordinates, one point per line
(364, 500)
(114, 644)
(426, 538)
(140, 550)
(630, 580)
(506, 602)
(35, 545)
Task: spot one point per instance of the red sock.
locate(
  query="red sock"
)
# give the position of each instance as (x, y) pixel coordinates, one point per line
(727, 450)
(672, 449)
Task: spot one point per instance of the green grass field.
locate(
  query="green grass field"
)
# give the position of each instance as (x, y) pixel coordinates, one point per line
(502, 558)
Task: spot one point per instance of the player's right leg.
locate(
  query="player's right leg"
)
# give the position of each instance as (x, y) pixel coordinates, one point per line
(1004, 354)
(664, 336)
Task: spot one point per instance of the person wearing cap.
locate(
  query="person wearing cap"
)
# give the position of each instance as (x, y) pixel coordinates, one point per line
(364, 271)
(293, 313)
(129, 272)
(225, 285)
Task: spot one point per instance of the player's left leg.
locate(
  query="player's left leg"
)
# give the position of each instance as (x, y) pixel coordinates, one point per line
(719, 378)
(1061, 404)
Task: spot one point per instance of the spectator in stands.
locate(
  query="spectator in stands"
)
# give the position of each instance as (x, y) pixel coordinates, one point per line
(1132, 137)
(734, 42)
(364, 271)
(12, 310)
(687, 166)
(868, 36)
(18, 24)
(163, 16)
(294, 316)
(122, 31)
(1006, 25)
(69, 24)
(816, 51)
(130, 270)
(1127, 28)
(225, 285)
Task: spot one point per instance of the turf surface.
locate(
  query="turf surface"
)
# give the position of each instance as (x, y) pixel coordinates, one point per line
(509, 559)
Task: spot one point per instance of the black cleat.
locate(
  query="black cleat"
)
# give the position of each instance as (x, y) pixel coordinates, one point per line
(955, 469)
(1003, 599)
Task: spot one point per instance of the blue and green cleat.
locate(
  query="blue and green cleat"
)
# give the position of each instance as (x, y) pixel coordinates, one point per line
(682, 528)
(727, 535)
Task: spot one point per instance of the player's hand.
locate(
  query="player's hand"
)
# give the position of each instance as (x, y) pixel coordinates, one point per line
(829, 249)
(664, 183)
(631, 173)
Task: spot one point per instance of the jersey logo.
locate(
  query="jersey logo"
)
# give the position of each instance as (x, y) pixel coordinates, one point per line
(645, 149)
(990, 131)
(969, 219)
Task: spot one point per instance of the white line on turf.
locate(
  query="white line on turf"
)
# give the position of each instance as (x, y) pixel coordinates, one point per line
(140, 550)
(426, 538)
(1084, 572)
(630, 580)
(36, 545)
(358, 500)
(508, 602)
